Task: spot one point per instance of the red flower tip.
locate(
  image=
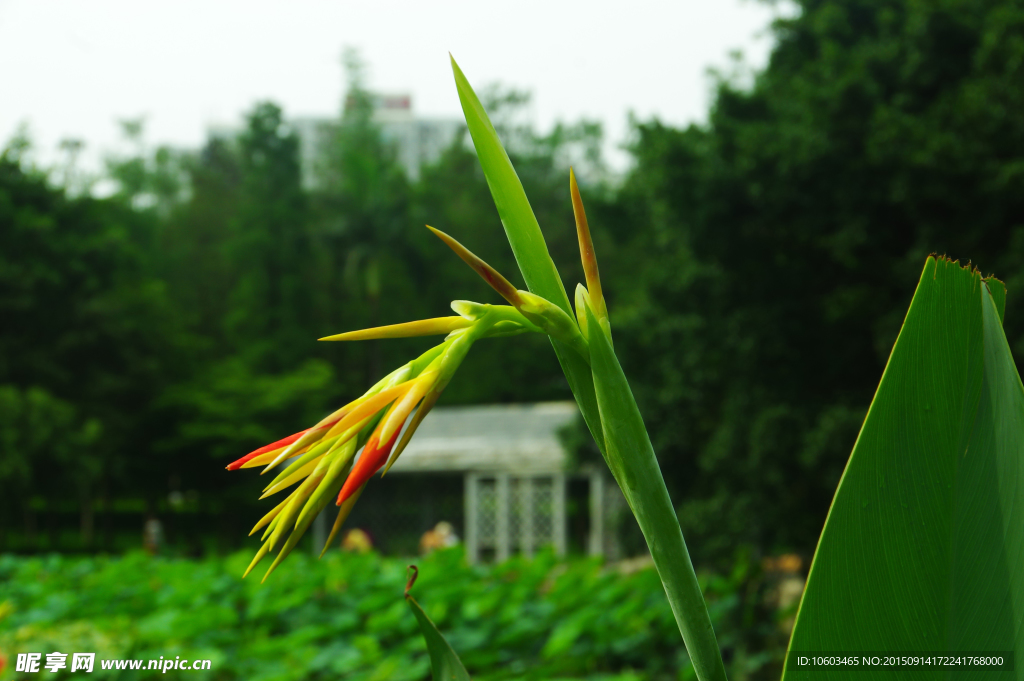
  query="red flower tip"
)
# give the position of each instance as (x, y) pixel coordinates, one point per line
(283, 442)
(372, 460)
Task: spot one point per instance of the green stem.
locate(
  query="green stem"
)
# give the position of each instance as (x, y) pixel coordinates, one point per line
(632, 461)
(604, 397)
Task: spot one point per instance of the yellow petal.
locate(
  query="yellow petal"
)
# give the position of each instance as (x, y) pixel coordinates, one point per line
(425, 327)
(369, 407)
(313, 434)
(396, 417)
(421, 413)
(334, 477)
(268, 517)
(297, 499)
(273, 523)
(343, 512)
(293, 539)
(316, 450)
(292, 479)
(256, 559)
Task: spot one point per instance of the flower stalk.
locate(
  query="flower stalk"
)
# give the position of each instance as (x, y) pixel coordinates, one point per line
(600, 386)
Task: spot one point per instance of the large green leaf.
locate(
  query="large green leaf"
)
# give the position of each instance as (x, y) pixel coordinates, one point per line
(923, 548)
(527, 241)
(632, 461)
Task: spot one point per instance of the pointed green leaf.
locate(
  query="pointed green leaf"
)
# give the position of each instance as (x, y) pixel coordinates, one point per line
(633, 463)
(445, 665)
(527, 241)
(923, 548)
(514, 209)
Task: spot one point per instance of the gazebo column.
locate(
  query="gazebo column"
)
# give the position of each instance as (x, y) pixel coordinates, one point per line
(502, 541)
(471, 503)
(526, 520)
(595, 542)
(558, 512)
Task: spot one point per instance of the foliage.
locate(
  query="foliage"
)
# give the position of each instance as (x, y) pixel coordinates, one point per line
(790, 229)
(86, 332)
(183, 319)
(444, 662)
(344, 616)
(921, 548)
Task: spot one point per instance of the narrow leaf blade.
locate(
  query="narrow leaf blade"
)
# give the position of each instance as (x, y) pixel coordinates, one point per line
(632, 461)
(445, 665)
(514, 209)
(527, 241)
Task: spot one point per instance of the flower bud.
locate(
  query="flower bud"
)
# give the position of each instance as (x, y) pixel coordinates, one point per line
(554, 321)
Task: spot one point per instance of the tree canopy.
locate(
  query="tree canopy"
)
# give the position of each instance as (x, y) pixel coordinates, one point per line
(757, 266)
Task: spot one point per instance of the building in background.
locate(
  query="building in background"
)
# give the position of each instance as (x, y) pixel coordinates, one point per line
(417, 141)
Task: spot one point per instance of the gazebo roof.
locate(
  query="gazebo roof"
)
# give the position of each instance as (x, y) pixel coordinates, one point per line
(518, 438)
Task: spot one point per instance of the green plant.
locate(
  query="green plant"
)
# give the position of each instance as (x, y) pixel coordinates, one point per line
(341, 617)
(950, 390)
(326, 461)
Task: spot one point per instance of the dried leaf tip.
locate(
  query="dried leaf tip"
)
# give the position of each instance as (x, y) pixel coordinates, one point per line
(499, 283)
(587, 254)
(413, 573)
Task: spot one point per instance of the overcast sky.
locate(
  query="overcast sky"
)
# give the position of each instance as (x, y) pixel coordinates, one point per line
(72, 68)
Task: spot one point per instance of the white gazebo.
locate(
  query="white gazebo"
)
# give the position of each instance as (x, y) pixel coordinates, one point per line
(515, 470)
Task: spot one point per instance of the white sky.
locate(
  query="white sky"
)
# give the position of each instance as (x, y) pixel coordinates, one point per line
(72, 68)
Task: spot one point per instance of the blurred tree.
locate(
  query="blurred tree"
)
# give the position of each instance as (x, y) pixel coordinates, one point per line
(46, 448)
(363, 217)
(758, 268)
(238, 257)
(154, 181)
(271, 313)
(81, 344)
(765, 261)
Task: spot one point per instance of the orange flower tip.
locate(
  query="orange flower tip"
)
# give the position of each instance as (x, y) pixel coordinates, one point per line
(493, 278)
(235, 465)
(586, 242)
(283, 442)
(370, 461)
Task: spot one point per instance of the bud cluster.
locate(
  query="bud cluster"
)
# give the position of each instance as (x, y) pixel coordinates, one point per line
(323, 459)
